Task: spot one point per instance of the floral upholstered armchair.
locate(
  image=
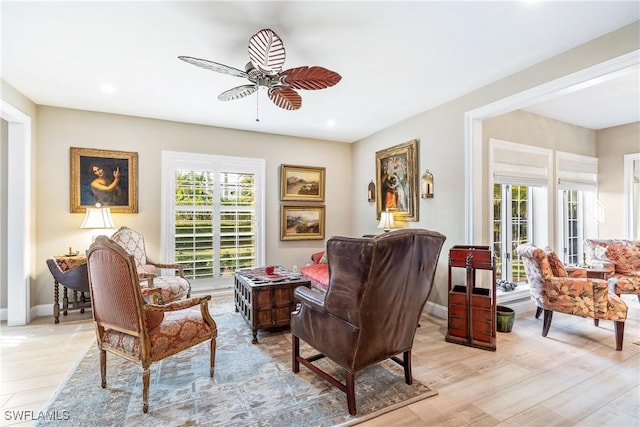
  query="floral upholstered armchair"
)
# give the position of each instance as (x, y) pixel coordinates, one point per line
(625, 256)
(570, 295)
(172, 288)
(127, 326)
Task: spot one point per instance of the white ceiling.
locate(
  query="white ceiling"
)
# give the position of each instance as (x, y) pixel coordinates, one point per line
(396, 59)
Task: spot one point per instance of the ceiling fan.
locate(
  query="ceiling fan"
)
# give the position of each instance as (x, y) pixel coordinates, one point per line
(266, 58)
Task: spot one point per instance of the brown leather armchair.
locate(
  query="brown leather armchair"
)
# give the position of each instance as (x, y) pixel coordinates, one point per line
(129, 327)
(377, 290)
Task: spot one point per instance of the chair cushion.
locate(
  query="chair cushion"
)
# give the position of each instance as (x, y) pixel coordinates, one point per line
(172, 288)
(557, 267)
(179, 330)
(318, 275)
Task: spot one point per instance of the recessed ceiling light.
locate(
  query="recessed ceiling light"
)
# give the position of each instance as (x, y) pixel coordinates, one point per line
(331, 123)
(107, 88)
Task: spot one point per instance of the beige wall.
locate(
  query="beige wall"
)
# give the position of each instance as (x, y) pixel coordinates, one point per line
(613, 144)
(59, 129)
(441, 132)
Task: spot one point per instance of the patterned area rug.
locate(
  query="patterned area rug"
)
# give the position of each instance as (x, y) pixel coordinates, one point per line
(253, 385)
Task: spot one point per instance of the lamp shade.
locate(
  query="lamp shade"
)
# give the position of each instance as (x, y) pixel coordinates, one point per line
(97, 218)
(386, 221)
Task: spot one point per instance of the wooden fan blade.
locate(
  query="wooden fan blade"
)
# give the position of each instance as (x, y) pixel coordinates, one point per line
(310, 78)
(266, 52)
(237, 92)
(214, 66)
(285, 98)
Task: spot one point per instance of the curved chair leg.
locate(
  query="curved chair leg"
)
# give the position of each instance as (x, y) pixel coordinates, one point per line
(212, 357)
(548, 315)
(145, 389)
(103, 368)
(538, 312)
(618, 327)
(351, 392)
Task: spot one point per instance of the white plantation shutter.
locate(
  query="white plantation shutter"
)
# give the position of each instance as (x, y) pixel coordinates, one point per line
(212, 216)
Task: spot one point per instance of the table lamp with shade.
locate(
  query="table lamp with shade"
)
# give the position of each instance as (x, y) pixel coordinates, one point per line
(387, 221)
(97, 218)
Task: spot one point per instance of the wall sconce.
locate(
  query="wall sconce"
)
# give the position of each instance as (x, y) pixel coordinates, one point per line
(427, 185)
(386, 221)
(371, 192)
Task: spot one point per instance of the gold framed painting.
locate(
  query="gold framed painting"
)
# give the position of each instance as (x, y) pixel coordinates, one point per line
(302, 222)
(302, 183)
(397, 181)
(106, 177)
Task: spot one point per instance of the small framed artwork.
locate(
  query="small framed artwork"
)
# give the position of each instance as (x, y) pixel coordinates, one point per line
(106, 177)
(397, 181)
(302, 222)
(302, 183)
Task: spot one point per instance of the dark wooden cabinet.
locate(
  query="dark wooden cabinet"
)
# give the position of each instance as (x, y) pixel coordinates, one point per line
(472, 310)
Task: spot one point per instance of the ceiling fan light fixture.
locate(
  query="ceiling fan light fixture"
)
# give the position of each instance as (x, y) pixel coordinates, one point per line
(266, 58)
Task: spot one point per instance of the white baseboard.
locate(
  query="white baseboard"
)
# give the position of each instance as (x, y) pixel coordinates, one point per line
(436, 310)
(519, 305)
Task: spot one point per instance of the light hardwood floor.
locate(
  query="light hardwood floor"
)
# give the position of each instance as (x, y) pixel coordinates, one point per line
(574, 377)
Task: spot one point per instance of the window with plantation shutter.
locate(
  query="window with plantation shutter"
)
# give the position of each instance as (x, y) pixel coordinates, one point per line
(213, 215)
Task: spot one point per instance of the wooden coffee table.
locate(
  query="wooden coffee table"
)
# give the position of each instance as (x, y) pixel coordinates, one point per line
(266, 301)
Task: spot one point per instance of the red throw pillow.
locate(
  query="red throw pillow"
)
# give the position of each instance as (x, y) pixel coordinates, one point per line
(154, 318)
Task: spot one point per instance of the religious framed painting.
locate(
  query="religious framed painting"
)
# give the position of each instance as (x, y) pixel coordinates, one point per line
(397, 181)
(107, 177)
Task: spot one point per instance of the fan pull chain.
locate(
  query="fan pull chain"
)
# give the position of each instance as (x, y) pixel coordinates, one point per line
(257, 102)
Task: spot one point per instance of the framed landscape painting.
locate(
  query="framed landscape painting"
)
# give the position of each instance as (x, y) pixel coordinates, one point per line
(106, 177)
(302, 222)
(302, 183)
(397, 181)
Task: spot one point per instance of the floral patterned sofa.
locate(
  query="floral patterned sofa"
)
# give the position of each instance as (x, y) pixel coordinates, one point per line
(317, 272)
(625, 255)
(552, 291)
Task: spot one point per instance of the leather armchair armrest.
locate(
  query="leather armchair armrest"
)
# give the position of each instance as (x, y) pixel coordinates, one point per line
(313, 299)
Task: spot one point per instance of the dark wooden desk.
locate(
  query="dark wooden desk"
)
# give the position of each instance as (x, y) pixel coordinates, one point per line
(266, 301)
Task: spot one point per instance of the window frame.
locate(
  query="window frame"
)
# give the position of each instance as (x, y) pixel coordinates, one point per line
(630, 228)
(173, 161)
